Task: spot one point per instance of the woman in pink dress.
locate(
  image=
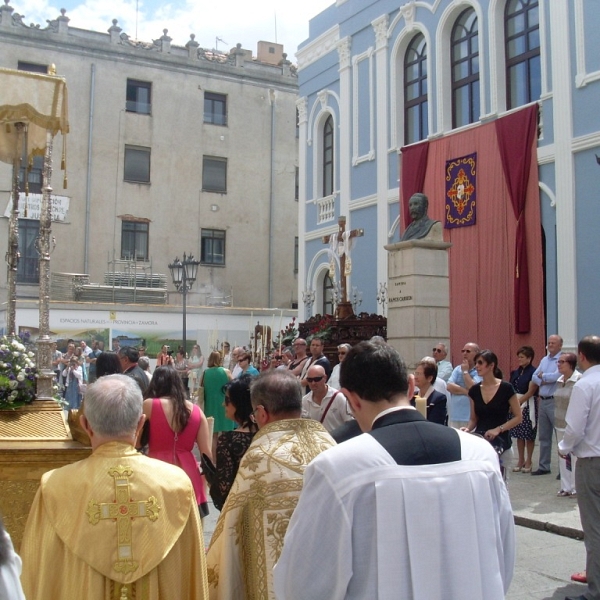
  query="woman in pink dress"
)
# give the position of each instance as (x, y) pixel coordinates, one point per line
(175, 426)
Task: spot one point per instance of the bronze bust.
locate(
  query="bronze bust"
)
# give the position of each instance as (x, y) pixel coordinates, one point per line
(421, 224)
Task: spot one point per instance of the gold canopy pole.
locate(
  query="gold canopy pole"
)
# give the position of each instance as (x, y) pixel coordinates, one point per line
(12, 256)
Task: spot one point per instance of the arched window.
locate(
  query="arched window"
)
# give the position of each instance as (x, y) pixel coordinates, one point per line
(465, 69)
(415, 91)
(328, 157)
(327, 295)
(522, 39)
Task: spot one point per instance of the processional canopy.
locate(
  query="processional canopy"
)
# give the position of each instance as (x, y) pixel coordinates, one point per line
(39, 101)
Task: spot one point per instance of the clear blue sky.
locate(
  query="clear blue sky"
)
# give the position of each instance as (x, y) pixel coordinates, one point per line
(233, 21)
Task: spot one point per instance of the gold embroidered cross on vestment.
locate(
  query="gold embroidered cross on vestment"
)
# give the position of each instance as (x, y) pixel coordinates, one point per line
(123, 510)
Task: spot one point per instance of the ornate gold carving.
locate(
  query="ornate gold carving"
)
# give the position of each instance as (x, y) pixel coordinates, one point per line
(17, 497)
(39, 420)
(123, 511)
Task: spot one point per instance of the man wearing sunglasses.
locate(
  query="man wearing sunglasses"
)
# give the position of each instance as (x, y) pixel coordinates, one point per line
(409, 509)
(444, 367)
(324, 403)
(248, 536)
(316, 358)
(459, 384)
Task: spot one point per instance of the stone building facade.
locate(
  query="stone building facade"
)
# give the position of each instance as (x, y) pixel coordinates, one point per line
(171, 149)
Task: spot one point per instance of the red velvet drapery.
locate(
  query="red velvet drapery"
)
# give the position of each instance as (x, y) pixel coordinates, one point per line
(516, 134)
(483, 257)
(414, 166)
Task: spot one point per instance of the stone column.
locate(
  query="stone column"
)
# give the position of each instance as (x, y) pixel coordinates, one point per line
(418, 297)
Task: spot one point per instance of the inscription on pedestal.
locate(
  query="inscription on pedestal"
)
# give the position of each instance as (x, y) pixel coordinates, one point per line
(401, 293)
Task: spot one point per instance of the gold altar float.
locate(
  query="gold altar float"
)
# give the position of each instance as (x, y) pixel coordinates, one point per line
(34, 438)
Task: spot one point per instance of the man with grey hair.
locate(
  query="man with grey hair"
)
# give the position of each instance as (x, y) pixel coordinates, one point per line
(235, 368)
(440, 352)
(116, 524)
(144, 365)
(334, 378)
(247, 539)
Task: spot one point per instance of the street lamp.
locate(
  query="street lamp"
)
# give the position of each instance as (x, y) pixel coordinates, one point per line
(184, 274)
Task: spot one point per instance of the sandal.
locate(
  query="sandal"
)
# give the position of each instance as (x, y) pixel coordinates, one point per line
(563, 494)
(526, 470)
(517, 469)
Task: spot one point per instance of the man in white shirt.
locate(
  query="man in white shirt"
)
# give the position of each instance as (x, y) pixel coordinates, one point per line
(582, 438)
(235, 368)
(546, 377)
(462, 379)
(324, 403)
(402, 498)
(440, 352)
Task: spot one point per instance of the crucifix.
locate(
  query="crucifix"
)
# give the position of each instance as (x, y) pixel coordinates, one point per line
(342, 239)
(123, 510)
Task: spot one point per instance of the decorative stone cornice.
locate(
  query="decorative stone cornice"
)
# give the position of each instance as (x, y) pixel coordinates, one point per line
(318, 48)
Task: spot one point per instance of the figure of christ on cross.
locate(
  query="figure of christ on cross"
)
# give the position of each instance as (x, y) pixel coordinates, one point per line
(344, 308)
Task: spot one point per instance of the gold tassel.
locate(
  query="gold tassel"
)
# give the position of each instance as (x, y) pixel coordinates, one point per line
(65, 182)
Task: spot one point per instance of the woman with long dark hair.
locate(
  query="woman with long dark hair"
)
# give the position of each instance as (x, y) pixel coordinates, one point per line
(491, 401)
(175, 426)
(232, 445)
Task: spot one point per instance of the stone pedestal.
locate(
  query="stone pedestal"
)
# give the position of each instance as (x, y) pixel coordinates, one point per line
(418, 297)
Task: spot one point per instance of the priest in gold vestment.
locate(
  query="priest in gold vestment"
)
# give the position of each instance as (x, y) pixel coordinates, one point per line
(248, 537)
(117, 525)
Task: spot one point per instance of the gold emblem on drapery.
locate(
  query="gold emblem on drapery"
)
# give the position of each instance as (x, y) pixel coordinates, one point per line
(123, 510)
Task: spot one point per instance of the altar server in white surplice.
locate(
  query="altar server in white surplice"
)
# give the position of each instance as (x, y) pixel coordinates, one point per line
(410, 510)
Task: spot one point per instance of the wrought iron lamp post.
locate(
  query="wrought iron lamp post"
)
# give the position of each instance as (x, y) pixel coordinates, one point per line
(184, 274)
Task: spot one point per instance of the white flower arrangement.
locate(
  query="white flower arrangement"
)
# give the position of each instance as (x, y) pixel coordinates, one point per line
(18, 373)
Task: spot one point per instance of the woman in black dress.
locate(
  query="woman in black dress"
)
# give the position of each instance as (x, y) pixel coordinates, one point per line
(232, 445)
(525, 432)
(491, 401)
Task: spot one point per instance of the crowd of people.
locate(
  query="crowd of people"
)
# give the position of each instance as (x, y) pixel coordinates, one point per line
(288, 440)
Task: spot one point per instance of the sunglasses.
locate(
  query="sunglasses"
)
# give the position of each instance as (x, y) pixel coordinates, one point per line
(314, 379)
(277, 357)
(242, 360)
(562, 362)
(480, 362)
(342, 353)
(437, 350)
(467, 351)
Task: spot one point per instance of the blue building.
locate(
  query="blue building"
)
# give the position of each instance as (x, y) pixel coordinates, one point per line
(376, 77)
